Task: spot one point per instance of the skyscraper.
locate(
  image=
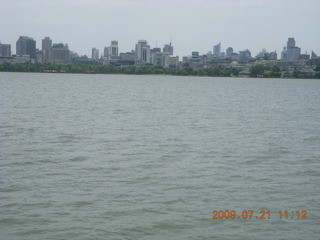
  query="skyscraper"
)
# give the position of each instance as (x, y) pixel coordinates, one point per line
(46, 46)
(46, 43)
(284, 53)
(112, 50)
(217, 49)
(244, 55)
(26, 46)
(291, 43)
(143, 51)
(229, 52)
(95, 53)
(168, 48)
(293, 52)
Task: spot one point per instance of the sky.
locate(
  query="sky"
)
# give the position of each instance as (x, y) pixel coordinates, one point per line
(191, 25)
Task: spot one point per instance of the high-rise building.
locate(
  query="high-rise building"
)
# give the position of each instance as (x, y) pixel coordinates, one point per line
(229, 52)
(244, 55)
(291, 43)
(5, 50)
(143, 52)
(168, 48)
(112, 50)
(293, 52)
(195, 54)
(105, 52)
(95, 53)
(217, 49)
(39, 56)
(313, 55)
(26, 46)
(262, 54)
(154, 51)
(46, 43)
(273, 55)
(284, 53)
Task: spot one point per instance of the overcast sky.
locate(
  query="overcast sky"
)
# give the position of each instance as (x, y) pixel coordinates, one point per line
(193, 25)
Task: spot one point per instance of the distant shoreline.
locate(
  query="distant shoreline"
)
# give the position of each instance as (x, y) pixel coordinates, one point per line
(257, 71)
(166, 75)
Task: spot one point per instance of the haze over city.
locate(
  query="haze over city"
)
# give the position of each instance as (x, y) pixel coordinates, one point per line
(192, 25)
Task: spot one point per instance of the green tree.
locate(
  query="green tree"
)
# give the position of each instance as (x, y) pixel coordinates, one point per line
(296, 74)
(257, 70)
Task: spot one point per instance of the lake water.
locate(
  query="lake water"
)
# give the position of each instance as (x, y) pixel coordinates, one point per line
(150, 157)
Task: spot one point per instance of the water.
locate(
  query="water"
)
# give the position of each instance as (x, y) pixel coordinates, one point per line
(150, 157)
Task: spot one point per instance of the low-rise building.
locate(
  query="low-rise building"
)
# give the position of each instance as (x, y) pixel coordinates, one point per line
(14, 59)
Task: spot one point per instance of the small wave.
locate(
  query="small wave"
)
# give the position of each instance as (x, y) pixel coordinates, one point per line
(78, 159)
(80, 204)
(25, 163)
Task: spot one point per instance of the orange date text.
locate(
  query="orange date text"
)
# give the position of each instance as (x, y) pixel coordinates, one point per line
(263, 214)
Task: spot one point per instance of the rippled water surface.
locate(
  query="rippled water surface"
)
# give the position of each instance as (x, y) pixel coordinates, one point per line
(150, 157)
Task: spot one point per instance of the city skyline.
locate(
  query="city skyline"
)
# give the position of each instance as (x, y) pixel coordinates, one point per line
(113, 49)
(192, 25)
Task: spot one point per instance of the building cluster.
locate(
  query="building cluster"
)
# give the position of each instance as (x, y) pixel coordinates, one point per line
(26, 51)
(143, 54)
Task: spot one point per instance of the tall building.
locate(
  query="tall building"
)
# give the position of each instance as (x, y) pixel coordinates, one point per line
(245, 55)
(143, 52)
(217, 49)
(229, 52)
(293, 52)
(95, 53)
(168, 48)
(262, 54)
(112, 50)
(46, 43)
(273, 55)
(26, 46)
(5, 50)
(155, 51)
(39, 56)
(267, 55)
(105, 52)
(284, 53)
(291, 43)
(313, 55)
(195, 54)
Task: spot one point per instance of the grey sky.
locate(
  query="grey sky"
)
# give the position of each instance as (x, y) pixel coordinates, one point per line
(194, 25)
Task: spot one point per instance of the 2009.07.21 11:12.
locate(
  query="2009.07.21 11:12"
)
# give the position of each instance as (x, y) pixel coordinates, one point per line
(249, 214)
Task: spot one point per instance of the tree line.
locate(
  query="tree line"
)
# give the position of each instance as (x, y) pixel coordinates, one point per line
(275, 72)
(254, 71)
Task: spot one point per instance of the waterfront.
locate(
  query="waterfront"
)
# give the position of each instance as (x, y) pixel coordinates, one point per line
(150, 157)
